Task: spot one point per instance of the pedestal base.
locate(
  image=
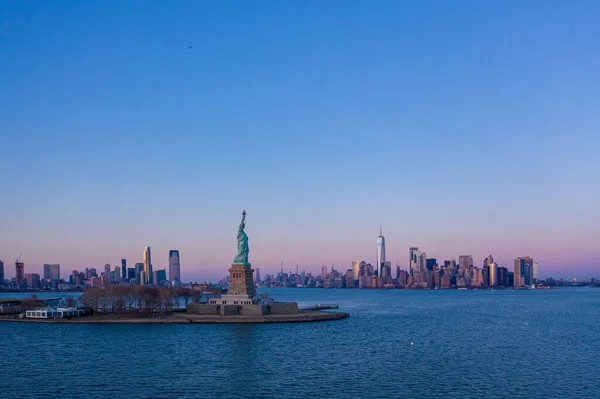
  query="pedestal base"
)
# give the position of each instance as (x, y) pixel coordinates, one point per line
(241, 280)
(232, 305)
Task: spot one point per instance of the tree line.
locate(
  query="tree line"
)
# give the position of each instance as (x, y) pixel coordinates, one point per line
(138, 298)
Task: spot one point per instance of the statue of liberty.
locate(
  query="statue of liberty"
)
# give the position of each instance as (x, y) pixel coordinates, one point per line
(242, 238)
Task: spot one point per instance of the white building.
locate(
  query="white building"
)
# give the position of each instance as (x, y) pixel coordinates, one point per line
(51, 313)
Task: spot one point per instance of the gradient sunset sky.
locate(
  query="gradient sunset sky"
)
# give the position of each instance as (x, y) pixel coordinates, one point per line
(461, 127)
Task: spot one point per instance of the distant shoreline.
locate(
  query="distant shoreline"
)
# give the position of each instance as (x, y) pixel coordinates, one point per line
(581, 285)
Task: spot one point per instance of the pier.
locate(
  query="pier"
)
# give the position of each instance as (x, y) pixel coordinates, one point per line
(321, 307)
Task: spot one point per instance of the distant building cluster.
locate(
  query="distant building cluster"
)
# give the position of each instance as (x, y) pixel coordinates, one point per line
(421, 272)
(142, 273)
(50, 277)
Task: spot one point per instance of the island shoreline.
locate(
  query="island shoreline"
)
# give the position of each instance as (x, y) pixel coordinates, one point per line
(183, 318)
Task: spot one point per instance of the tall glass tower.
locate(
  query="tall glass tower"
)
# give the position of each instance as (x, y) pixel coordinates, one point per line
(413, 259)
(147, 266)
(380, 252)
(124, 269)
(174, 268)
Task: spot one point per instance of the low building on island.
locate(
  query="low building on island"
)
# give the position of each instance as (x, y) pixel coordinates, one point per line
(53, 313)
(10, 306)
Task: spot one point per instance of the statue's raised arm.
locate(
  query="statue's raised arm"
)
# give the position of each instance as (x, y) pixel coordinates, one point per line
(243, 223)
(242, 238)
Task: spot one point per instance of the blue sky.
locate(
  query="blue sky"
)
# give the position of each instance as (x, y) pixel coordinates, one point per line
(461, 127)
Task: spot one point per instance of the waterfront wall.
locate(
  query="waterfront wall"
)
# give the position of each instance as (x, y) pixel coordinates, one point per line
(245, 310)
(253, 310)
(283, 308)
(197, 308)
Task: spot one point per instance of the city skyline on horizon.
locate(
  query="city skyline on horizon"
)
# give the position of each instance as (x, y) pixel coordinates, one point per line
(199, 270)
(462, 128)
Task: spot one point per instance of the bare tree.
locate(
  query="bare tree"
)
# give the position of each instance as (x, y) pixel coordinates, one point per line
(91, 299)
(117, 298)
(166, 298)
(138, 296)
(29, 304)
(196, 295)
(119, 293)
(130, 298)
(69, 302)
(151, 296)
(106, 302)
(186, 293)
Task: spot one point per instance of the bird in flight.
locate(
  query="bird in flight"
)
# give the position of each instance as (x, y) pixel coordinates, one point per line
(189, 47)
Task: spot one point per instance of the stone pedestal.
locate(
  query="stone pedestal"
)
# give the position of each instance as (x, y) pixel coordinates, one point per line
(241, 280)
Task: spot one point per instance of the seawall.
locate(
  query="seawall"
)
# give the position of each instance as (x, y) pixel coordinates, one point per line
(184, 318)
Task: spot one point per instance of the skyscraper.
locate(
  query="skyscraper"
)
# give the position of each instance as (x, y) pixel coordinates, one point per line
(257, 280)
(510, 279)
(477, 280)
(518, 276)
(74, 278)
(486, 276)
(139, 268)
(380, 252)
(502, 276)
(465, 261)
(20, 273)
(160, 276)
(488, 260)
(174, 268)
(422, 262)
(124, 269)
(413, 255)
(431, 263)
(356, 269)
(493, 274)
(147, 266)
(1, 273)
(33, 280)
(386, 272)
(528, 270)
(535, 271)
(51, 272)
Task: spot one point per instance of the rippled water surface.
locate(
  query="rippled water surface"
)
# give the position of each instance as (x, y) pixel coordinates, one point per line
(465, 344)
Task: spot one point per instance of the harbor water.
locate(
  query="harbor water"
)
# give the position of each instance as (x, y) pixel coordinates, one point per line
(395, 344)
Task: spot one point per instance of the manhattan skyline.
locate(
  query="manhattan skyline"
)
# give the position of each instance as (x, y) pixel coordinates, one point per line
(197, 273)
(464, 128)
